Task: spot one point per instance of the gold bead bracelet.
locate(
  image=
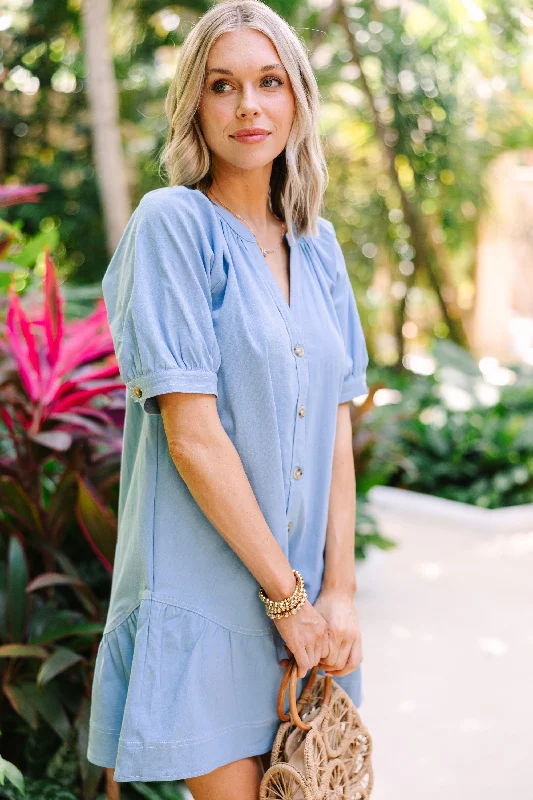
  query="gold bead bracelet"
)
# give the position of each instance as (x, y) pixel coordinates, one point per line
(276, 609)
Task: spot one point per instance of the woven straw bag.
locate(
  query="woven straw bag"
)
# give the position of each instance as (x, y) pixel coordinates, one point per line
(322, 750)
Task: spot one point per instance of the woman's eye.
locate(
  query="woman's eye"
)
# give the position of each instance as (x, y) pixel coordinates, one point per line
(217, 87)
(274, 78)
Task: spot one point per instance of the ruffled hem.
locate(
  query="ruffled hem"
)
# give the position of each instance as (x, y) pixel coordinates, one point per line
(176, 695)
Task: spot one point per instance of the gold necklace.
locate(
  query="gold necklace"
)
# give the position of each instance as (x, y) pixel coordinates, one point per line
(264, 251)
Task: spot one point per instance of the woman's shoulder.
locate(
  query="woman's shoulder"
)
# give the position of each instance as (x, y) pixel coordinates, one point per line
(325, 235)
(177, 215)
(184, 201)
(326, 245)
(325, 227)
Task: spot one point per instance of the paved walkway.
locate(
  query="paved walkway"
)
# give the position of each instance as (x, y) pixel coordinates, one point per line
(447, 624)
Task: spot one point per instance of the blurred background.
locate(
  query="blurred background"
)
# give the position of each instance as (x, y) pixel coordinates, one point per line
(427, 111)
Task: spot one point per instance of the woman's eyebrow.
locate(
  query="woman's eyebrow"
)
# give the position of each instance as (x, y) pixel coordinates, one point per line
(229, 72)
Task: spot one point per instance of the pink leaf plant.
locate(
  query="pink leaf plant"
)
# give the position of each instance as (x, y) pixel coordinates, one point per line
(56, 362)
(62, 409)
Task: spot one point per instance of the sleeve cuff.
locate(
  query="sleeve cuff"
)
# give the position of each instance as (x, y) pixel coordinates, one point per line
(144, 388)
(353, 386)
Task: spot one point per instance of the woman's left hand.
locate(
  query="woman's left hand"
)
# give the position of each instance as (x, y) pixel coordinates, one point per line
(344, 635)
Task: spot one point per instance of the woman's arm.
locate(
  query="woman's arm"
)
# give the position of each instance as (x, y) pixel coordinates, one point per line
(336, 599)
(210, 465)
(339, 570)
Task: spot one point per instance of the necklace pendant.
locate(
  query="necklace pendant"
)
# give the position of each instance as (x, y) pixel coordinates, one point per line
(264, 250)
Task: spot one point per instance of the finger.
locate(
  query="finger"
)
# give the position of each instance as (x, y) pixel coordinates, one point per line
(302, 661)
(321, 648)
(326, 646)
(315, 658)
(332, 657)
(352, 662)
(342, 655)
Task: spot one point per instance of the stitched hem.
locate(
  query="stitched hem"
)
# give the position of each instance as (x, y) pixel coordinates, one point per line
(157, 761)
(170, 380)
(354, 386)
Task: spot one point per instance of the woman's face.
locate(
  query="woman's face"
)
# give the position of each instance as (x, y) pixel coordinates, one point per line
(246, 86)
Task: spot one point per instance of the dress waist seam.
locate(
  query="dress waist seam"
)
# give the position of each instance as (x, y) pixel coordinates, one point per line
(148, 594)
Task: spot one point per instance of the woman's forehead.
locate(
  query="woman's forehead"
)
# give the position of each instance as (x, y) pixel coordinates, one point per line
(245, 46)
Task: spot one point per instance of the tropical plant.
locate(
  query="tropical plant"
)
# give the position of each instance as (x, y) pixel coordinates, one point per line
(10, 772)
(61, 415)
(463, 432)
(19, 252)
(15, 193)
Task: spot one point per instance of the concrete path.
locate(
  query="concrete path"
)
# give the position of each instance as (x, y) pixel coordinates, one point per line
(447, 626)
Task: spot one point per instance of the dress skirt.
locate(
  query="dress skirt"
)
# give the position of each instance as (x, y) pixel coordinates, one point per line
(179, 695)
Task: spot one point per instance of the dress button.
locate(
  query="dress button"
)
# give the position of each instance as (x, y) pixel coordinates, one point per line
(289, 525)
(137, 391)
(299, 350)
(301, 411)
(297, 473)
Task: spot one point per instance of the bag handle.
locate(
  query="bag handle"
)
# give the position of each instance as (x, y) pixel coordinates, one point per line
(290, 676)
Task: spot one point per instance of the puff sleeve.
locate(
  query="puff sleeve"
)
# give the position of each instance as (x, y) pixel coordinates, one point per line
(356, 354)
(157, 292)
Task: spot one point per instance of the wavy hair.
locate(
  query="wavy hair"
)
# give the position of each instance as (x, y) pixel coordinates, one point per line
(299, 173)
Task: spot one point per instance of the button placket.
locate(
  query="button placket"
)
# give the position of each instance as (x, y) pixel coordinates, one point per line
(291, 317)
(297, 476)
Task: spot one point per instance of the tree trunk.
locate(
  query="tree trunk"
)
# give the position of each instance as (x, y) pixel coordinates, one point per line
(103, 105)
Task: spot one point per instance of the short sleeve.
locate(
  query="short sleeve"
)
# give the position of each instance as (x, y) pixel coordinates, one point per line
(356, 354)
(157, 292)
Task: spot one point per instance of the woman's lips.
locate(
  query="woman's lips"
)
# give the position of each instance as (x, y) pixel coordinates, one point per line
(250, 138)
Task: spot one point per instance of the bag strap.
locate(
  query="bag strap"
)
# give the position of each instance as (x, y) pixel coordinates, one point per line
(290, 676)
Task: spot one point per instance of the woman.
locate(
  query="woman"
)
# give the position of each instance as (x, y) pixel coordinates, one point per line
(238, 338)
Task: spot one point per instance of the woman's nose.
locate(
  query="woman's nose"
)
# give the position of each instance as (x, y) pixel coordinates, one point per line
(248, 103)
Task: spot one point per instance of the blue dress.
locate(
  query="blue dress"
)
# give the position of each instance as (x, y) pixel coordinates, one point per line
(187, 671)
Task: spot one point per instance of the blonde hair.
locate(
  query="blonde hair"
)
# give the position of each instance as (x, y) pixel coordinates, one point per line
(299, 174)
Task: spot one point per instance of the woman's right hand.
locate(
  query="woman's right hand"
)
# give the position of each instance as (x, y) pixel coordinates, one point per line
(306, 637)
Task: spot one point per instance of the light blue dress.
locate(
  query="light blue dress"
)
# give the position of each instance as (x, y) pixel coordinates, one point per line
(187, 671)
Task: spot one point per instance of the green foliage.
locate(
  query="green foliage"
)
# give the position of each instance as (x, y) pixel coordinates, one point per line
(449, 88)
(443, 91)
(166, 790)
(456, 434)
(11, 778)
(39, 789)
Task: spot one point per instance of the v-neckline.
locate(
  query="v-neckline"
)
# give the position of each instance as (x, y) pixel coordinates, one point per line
(245, 233)
(292, 277)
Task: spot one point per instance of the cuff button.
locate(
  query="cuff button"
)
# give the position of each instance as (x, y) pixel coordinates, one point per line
(137, 391)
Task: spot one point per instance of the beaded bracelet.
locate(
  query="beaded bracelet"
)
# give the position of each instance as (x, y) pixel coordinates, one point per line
(276, 609)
